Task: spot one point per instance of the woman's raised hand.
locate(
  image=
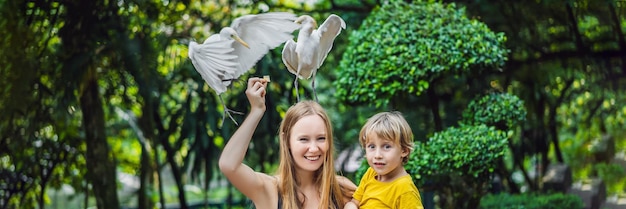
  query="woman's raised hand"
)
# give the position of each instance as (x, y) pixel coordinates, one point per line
(256, 93)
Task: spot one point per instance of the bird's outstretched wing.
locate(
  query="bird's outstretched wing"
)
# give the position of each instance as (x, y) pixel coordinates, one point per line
(214, 61)
(327, 32)
(262, 32)
(290, 57)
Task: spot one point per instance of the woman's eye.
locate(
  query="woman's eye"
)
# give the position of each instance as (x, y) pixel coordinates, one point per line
(321, 139)
(302, 139)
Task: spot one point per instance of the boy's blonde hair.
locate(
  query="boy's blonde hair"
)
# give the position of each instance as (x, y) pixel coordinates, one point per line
(391, 126)
(332, 195)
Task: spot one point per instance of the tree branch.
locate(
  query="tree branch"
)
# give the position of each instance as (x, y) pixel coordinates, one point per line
(574, 28)
(575, 54)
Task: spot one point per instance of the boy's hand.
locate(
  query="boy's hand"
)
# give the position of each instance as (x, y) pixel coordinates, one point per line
(351, 205)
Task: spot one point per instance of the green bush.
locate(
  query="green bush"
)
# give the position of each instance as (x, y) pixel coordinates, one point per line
(457, 163)
(402, 47)
(467, 151)
(531, 201)
(501, 110)
(361, 170)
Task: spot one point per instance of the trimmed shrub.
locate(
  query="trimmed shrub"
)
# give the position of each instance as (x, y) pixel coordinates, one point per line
(501, 110)
(531, 201)
(402, 47)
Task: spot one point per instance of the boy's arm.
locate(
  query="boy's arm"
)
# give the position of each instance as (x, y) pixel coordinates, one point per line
(348, 187)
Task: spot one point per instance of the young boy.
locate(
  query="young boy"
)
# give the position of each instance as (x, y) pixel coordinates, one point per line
(388, 141)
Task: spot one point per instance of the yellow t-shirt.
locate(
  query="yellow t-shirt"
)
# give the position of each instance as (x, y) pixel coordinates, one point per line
(398, 194)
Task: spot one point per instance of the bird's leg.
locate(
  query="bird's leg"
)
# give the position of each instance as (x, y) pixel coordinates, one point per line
(295, 84)
(227, 112)
(313, 86)
(231, 80)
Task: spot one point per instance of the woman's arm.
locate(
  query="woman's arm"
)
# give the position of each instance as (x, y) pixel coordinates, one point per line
(246, 180)
(347, 187)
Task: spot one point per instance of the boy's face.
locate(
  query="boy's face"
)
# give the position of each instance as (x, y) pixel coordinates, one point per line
(308, 143)
(385, 157)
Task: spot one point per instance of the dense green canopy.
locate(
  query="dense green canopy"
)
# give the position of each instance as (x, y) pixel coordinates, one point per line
(401, 48)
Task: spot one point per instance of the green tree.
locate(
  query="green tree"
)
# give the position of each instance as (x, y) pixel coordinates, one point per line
(567, 65)
(501, 110)
(85, 28)
(40, 136)
(505, 112)
(405, 49)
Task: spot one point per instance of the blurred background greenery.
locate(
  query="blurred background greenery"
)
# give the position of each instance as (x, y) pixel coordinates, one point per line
(101, 106)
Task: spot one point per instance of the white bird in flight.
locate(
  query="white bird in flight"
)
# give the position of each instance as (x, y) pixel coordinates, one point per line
(307, 55)
(220, 60)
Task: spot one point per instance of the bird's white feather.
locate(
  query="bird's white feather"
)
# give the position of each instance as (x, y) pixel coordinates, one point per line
(262, 32)
(327, 32)
(220, 59)
(214, 61)
(290, 58)
(313, 45)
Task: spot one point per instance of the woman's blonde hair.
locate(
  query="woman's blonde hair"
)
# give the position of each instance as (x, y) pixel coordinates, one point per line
(391, 126)
(288, 186)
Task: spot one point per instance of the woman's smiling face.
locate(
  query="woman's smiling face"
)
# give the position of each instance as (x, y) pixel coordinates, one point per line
(308, 143)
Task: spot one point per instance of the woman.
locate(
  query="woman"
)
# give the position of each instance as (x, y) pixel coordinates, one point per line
(306, 177)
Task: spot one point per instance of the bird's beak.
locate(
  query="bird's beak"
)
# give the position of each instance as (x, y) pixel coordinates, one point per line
(241, 41)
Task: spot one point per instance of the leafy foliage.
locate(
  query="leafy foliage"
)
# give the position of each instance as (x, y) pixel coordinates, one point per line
(358, 174)
(613, 175)
(567, 67)
(501, 110)
(402, 47)
(531, 201)
(458, 162)
(40, 144)
(468, 151)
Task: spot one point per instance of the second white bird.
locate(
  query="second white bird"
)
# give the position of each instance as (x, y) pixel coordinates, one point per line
(307, 55)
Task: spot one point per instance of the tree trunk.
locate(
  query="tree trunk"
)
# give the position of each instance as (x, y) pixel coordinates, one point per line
(554, 136)
(434, 107)
(146, 178)
(101, 168)
(86, 200)
(146, 175)
(159, 178)
(170, 154)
